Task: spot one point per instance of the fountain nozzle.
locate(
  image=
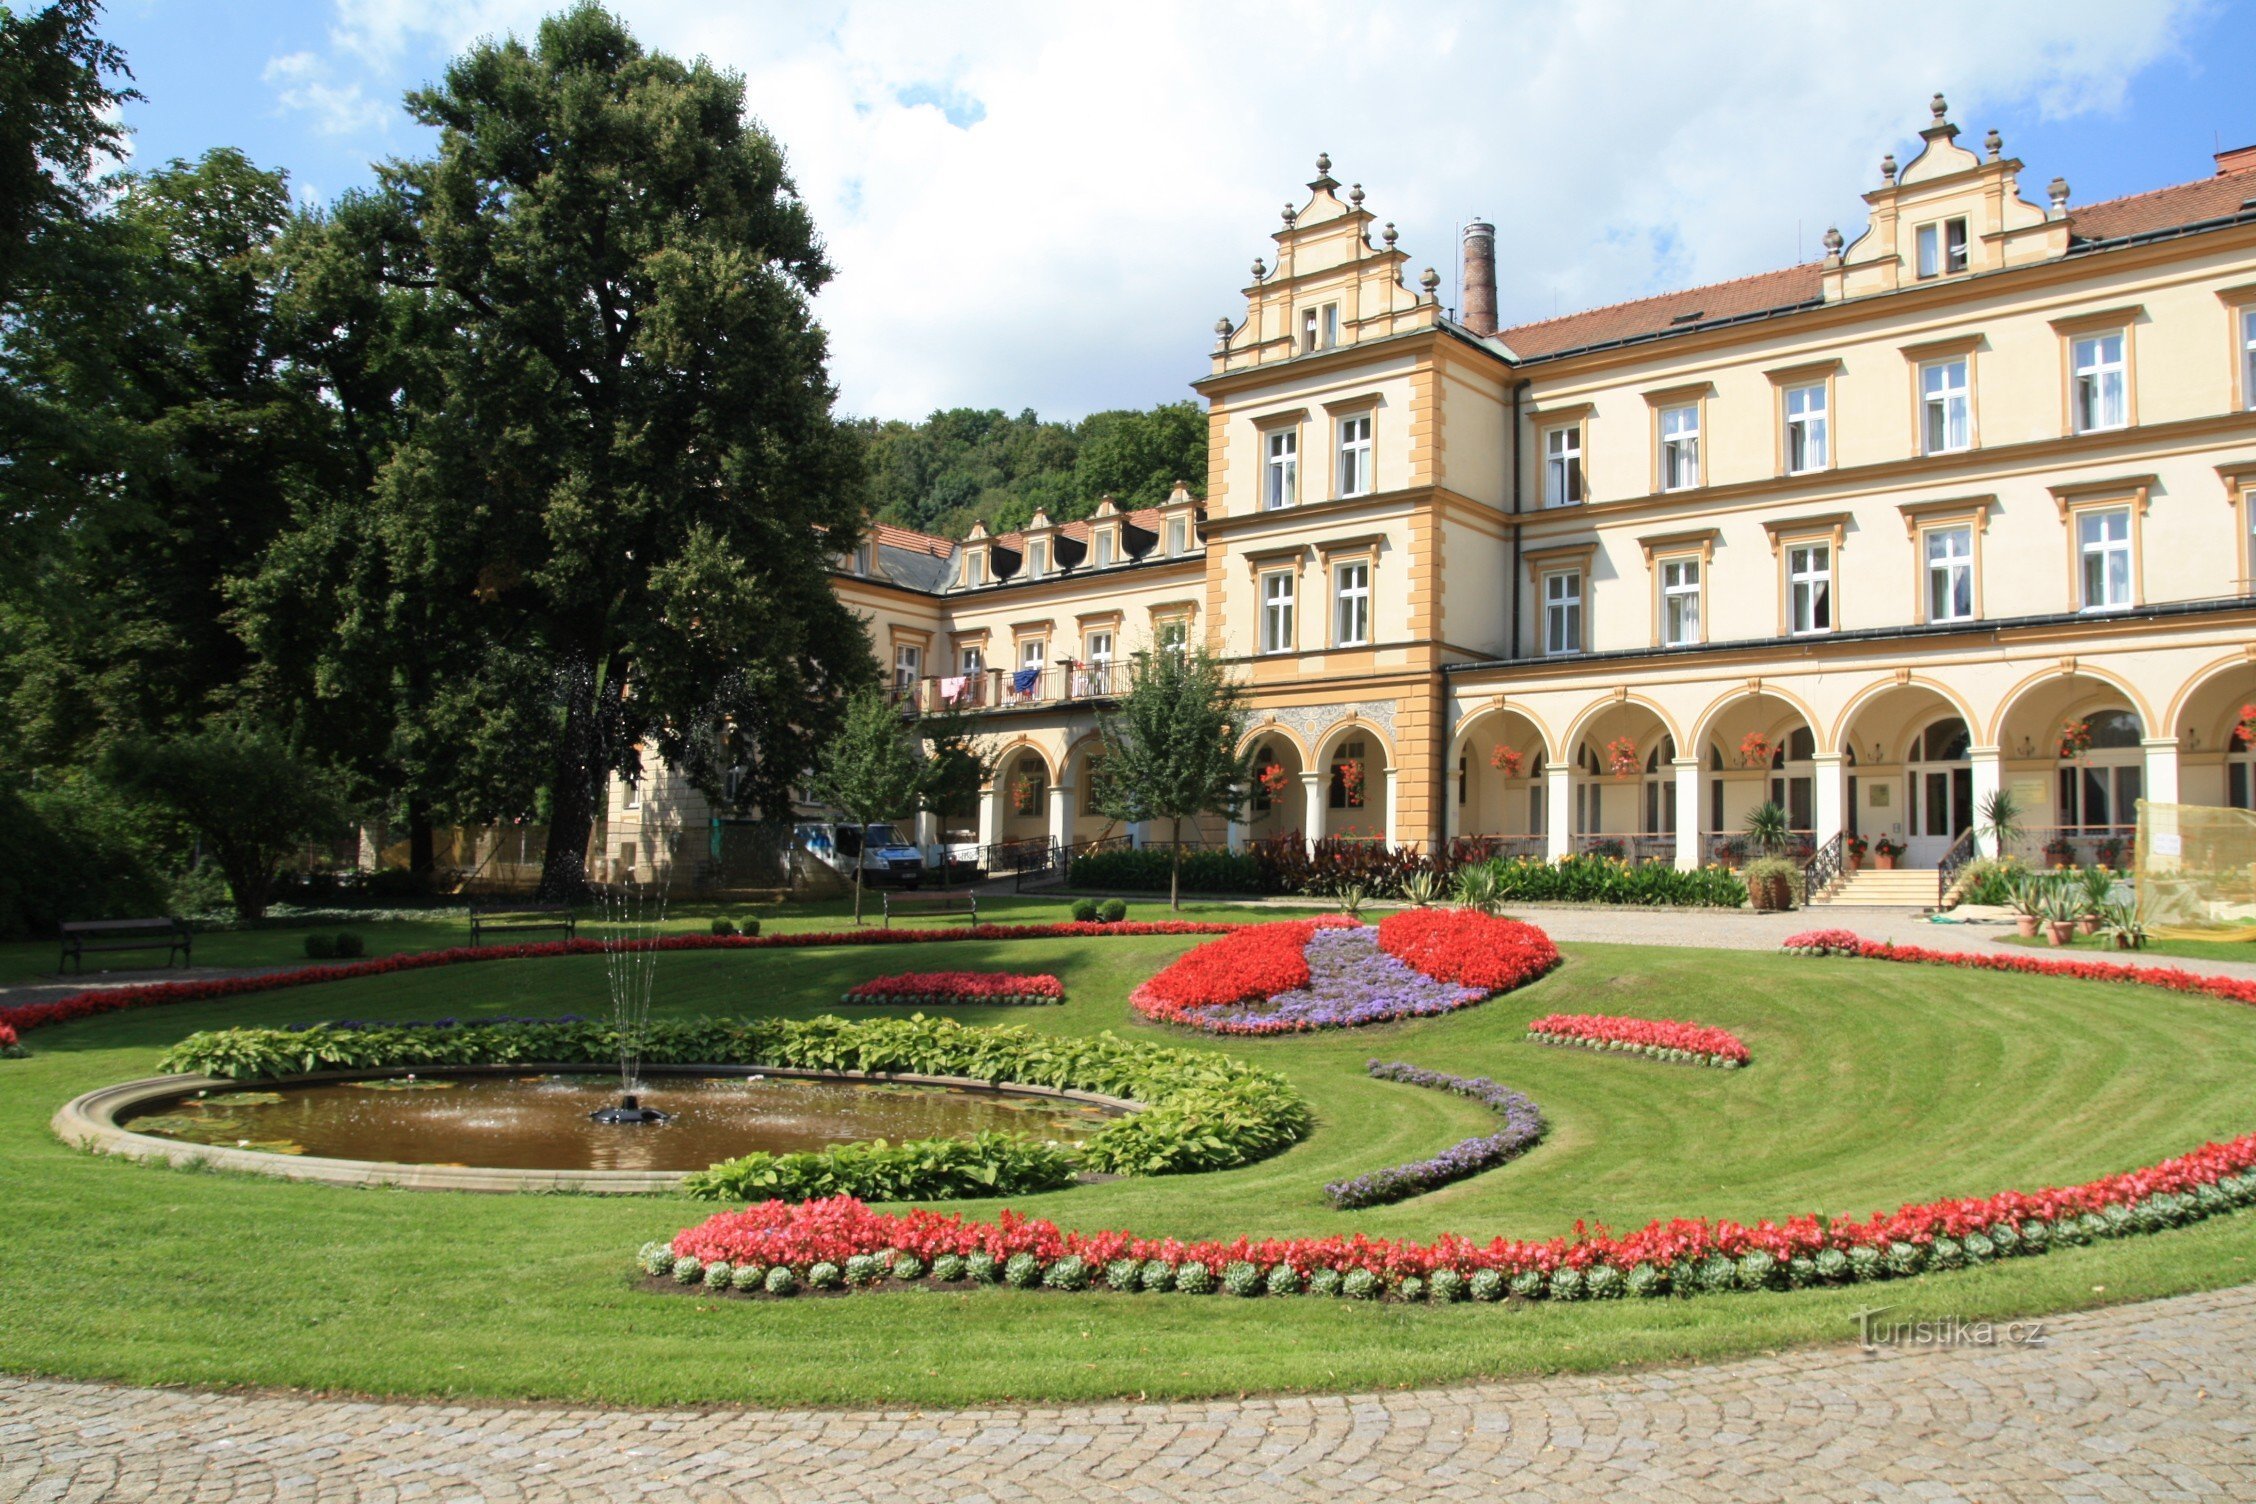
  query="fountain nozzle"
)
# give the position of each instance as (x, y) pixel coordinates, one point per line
(629, 1111)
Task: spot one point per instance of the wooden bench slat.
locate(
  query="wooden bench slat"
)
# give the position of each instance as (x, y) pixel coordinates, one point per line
(79, 936)
(960, 903)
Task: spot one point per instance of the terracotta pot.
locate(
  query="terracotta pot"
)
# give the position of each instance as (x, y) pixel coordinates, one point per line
(2125, 942)
(2059, 932)
(1856, 863)
(1885, 861)
(2088, 925)
(2026, 925)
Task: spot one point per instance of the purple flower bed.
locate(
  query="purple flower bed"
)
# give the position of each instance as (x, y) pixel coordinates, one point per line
(1523, 1128)
(1350, 982)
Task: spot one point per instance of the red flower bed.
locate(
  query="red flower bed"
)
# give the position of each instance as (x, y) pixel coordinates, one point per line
(9, 1044)
(831, 1231)
(2175, 978)
(1642, 1035)
(943, 987)
(1468, 947)
(1256, 962)
(154, 994)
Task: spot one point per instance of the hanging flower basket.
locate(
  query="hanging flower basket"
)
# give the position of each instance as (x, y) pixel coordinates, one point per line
(1351, 781)
(1755, 750)
(2075, 739)
(1026, 795)
(1621, 757)
(1273, 778)
(1507, 761)
(2246, 725)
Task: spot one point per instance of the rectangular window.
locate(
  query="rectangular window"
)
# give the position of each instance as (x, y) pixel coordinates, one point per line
(1277, 612)
(1809, 588)
(1319, 328)
(1680, 602)
(2099, 382)
(1680, 447)
(1950, 574)
(2103, 539)
(1033, 652)
(1942, 248)
(1176, 531)
(1351, 613)
(975, 569)
(1945, 413)
(1174, 635)
(2248, 357)
(1355, 456)
(630, 796)
(1104, 548)
(1562, 466)
(908, 666)
(1037, 560)
(1099, 649)
(972, 661)
(1562, 611)
(1284, 470)
(1807, 444)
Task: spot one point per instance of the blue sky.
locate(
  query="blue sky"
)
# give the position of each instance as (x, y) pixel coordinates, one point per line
(1048, 206)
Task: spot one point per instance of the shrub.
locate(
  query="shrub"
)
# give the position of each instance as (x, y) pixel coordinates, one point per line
(687, 1271)
(77, 851)
(1360, 1284)
(321, 947)
(746, 1277)
(1193, 1278)
(781, 1281)
(748, 926)
(1759, 874)
(1241, 1278)
(723, 926)
(350, 947)
(1158, 1274)
(1112, 911)
(1022, 1271)
(1485, 1285)
(1145, 870)
(1285, 1280)
(1125, 1275)
(1068, 1273)
(717, 1275)
(825, 1276)
(1601, 879)
(986, 1164)
(1084, 911)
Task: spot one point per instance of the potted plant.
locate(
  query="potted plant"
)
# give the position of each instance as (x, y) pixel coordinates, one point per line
(2096, 888)
(1885, 852)
(2123, 927)
(2001, 821)
(1755, 750)
(2075, 739)
(1857, 847)
(1274, 779)
(2060, 852)
(2025, 895)
(1350, 772)
(1621, 757)
(2110, 852)
(1505, 760)
(1770, 882)
(2062, 902)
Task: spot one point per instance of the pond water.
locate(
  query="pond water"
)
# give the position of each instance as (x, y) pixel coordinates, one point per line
(541, 1122)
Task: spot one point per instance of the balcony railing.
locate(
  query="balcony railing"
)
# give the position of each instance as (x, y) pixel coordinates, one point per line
(1065, 682)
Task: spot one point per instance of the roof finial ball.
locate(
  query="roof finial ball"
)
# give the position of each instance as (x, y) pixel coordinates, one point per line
(1388, 234)
(1994, 144)
(1222, 328)
(1355, 195)
(1430, 280)
(1939, 107)
(1888, 168)
(1324, 162)
(1291, 214)
(1260, 269)
(1832, 240)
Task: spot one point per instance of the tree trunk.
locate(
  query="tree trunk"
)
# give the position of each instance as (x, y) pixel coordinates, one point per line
(579, 769)
(858, 879)
(1175, 870)
(422, 856)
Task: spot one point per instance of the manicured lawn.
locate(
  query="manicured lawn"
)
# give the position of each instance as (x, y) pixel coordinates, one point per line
(2191, 950)
(1871, 1085)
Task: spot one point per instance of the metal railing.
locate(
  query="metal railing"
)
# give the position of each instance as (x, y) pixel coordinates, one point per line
(1946, 870)
(1824, 868)
(1733, 850)
(1638, 846)
(1067, 681)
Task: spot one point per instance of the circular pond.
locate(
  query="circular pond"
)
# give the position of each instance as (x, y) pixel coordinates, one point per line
(541, 1122)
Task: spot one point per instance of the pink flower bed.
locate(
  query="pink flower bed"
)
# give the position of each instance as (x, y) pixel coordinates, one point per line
(939, 988)
(2175, 978)
(26, 1016)
(1661, 1038)
(1683, 1251)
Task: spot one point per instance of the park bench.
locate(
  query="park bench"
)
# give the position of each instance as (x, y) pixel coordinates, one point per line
(906, 904)
(497, 917)
(83, 935)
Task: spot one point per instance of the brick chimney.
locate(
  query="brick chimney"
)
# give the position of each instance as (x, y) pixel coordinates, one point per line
(1479, 312)
(2239, 159)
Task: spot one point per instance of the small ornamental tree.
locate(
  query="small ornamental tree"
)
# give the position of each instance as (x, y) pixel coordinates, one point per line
(1170, 748)
(881, 765)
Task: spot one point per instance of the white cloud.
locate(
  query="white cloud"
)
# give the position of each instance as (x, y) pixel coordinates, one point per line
(304, 81)
(1047, 206)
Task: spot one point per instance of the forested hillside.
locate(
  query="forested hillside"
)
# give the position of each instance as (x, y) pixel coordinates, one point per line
(966, 463)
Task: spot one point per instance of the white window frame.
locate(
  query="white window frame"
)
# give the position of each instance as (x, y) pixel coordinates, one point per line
(1562, 612)
(971, 661)
(1173, 634)
(1940, 253)
(1563, 480)
(1033, 652)
(1946, 408)
(1355, 455)
(1098, 647)
(1102, 552)
(2100, 548)
(1178, 531)
(1037, 559)
(908, 665)
(1351, 603)
(1280, 485)
(1809, 439)
(2248, 358)
(1947, 553)
(1681, 586)
(1279, 602)
(2099, 397)
(1809, 589)
(1680, 446)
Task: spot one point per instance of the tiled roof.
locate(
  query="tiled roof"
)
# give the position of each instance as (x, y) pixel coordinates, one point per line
(1145, 519)
(1764, 292)
(909, 538)
(2218, 197)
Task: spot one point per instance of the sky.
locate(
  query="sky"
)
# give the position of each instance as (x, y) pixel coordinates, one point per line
(1047, 206)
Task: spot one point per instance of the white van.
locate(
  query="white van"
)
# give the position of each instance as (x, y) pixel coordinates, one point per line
(879, 850)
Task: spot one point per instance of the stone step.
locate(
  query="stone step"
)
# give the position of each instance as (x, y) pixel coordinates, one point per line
(1904, 888)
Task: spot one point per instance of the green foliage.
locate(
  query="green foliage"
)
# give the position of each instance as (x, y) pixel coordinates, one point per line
(1112, 910)
(1768, 869)
(2001, 816)
(1084, 910)
(1202, 1111)
(1148, 869)
(1988, 880)
(966, 464)
(1169, 746)
(1597, 879)
(58, 118)
(71, 853)
(987, 1164)
(1767, 829)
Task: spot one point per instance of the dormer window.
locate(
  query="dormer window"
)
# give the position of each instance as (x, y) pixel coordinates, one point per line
(1942, 248)
(1037, 560)
(862, 559)
(1177, 532)
(1104, 548)
(1319, 328)
(975, 568)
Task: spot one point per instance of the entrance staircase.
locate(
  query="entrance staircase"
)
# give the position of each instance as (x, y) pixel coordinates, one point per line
(1904, 888)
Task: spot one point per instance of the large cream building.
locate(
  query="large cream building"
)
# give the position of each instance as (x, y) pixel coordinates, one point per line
(1868, 536)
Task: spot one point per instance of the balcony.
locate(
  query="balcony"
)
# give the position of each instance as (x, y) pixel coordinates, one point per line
(1066, 682)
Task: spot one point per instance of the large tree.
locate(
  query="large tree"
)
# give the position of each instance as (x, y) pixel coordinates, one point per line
(881, 765)
(1170, 747)
(633, 467)
(59, 93)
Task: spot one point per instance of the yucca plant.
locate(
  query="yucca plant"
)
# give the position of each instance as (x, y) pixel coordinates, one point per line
(1477, 888)
(1767, 829)
(1422, 887)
